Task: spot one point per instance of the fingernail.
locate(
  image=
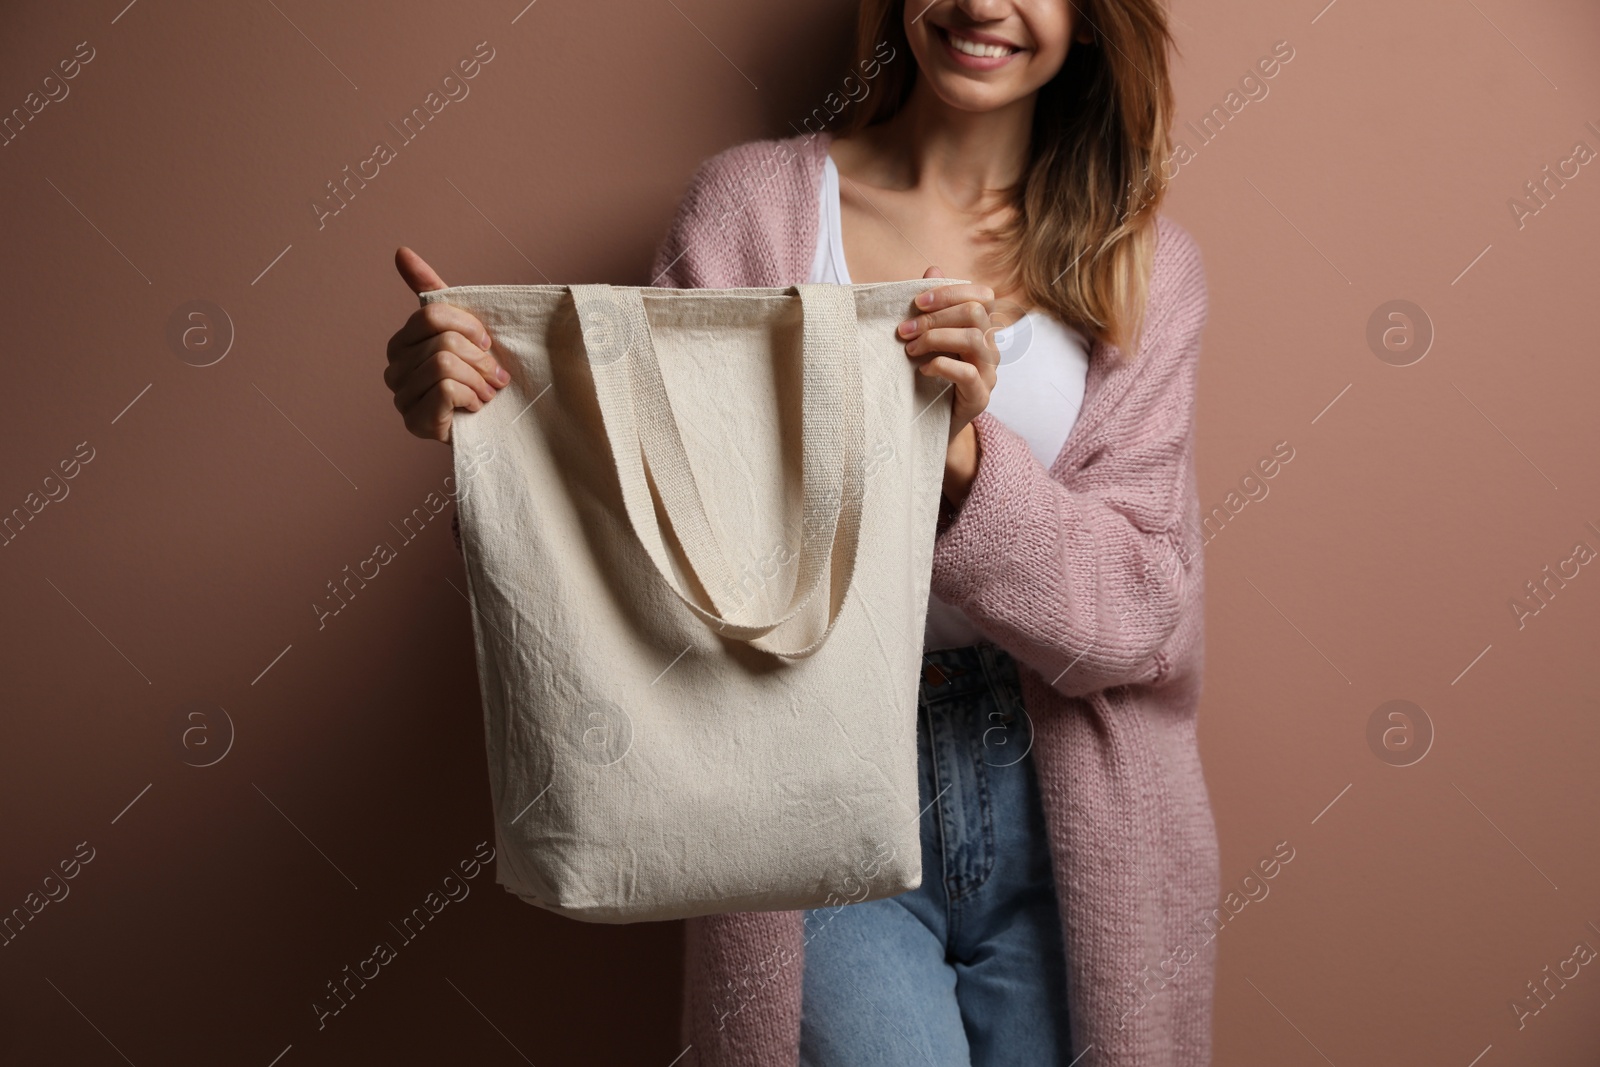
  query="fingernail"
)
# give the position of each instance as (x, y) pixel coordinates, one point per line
(908, 328)
(484, 343)
(924, 299)
(501, 376)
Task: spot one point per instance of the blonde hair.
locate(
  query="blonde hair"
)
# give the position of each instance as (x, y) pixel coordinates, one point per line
(1081, 236)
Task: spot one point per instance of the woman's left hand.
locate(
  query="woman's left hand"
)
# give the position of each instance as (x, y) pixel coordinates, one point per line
(954, 338)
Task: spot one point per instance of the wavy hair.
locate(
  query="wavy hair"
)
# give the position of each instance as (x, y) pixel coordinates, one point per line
(1080, 239)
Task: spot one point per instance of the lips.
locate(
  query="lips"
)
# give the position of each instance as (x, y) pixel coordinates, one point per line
(976, 51)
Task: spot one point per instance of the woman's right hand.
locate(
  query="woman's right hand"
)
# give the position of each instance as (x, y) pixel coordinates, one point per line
(439, 360)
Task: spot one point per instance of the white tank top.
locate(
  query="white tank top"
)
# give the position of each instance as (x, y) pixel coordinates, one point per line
(1038, 387)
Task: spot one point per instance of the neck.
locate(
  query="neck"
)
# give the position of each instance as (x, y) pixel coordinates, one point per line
(967, 156)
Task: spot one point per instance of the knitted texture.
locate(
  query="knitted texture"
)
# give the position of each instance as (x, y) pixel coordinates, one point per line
(1090, 574)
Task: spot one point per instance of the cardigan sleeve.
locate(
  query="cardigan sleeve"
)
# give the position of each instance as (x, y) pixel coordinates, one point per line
(1085, 579)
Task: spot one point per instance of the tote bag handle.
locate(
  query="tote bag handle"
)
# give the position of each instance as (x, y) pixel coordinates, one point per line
(647, 446)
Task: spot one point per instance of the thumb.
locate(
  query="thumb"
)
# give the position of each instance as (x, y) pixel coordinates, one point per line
(415, 270)
(933, 272)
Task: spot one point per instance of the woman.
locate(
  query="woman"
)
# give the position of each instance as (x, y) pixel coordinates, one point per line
(1069, 853)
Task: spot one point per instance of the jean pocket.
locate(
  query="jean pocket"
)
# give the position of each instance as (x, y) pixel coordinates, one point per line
(1004, 735)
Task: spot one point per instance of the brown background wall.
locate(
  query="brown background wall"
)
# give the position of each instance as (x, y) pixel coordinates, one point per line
(179, 571)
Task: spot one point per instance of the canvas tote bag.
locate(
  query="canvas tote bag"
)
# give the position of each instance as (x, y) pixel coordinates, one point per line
(698, 533)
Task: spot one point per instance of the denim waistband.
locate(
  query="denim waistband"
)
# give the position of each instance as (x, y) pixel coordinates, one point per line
(954, 672)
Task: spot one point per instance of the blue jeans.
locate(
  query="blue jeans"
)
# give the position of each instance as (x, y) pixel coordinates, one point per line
(969, 968)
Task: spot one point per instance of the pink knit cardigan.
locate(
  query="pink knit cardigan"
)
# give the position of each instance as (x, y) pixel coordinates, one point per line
(1089, 573)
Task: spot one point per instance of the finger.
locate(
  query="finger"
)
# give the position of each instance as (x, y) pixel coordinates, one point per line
(415, 270)
(969, 385)
(933, 272)
(430, 417)
(402, 367)
(443, 365)
(946, 295)
(434, 319)
(967, 342)
(440, 365)
(966, 313)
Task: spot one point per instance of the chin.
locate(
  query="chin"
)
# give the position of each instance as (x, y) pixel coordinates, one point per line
(967, 94)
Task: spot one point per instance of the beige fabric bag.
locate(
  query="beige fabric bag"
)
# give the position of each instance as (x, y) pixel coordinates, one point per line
(698, 528)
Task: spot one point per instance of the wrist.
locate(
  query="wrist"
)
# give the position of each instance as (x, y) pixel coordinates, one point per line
(961, 465)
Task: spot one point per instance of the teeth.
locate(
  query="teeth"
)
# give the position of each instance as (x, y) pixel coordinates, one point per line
(973, 48)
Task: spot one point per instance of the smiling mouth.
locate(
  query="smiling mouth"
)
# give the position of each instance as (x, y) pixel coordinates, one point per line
(976, 49)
